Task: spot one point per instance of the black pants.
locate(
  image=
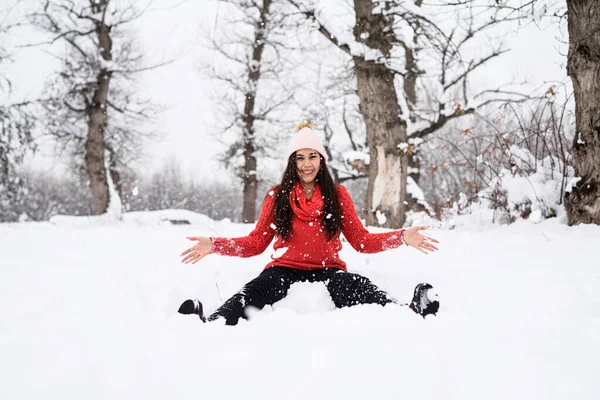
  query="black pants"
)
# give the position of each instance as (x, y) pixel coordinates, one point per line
(346, 289)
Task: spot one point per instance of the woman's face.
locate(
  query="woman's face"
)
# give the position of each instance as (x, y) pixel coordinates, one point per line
(308, 162)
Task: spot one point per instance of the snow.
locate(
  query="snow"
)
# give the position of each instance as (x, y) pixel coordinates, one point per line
(279, 252)
(115, 208)
(572, 183)
(381, 218)
(414, 127)
(415, 191)
(416, 141)
(403, 146)
(532, 188)
(351, 155)
(142, 218)
(89, 312)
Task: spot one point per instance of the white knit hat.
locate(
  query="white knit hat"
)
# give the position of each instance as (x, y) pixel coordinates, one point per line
(305, 138)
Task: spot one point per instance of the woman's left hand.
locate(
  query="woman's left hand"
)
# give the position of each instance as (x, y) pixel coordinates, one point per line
(423, 243)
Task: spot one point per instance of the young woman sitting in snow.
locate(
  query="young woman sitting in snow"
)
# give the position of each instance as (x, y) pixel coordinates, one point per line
(307, 212)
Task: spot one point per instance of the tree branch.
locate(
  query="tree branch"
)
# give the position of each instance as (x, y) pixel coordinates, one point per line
(472, 67)
(310, 14)
(442, 120)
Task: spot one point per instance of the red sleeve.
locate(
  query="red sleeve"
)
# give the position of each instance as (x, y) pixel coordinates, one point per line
(357, 235)
(257, 241)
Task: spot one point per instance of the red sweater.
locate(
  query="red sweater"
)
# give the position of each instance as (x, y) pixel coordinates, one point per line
(307, 246)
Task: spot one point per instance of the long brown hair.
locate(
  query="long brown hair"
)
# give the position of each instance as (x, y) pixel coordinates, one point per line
(331, 209)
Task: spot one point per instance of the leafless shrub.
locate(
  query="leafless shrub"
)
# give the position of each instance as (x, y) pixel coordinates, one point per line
(520, 140)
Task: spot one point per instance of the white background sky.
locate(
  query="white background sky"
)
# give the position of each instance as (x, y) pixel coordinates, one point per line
(173, 28)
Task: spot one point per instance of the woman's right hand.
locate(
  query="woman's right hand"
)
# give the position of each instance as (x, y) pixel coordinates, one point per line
(198, 251)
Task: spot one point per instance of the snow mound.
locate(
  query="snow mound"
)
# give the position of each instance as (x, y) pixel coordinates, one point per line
(175, 217)
(82, 221)
(306, 298)
(160, 217)
(531, 190)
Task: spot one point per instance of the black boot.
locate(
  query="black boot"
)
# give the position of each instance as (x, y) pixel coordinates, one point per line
(421, 303)
(192, 307)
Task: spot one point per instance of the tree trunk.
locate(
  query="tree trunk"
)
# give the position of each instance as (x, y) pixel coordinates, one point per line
(410, 93)
(583, 202)
(97, 120)
(249, 172)
(250, 183)
(386, 190)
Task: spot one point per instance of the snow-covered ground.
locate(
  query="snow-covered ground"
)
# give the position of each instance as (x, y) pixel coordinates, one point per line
(88, 311)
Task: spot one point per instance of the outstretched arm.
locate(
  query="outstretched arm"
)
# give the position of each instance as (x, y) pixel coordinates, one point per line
(257, 241)
(246, 246)
(365, 242)
(358, 236)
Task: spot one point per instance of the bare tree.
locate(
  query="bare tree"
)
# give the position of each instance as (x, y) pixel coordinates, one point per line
(51, 194)
(582, 203)
(335, 109)
(412, 78)
(256, 55)
(92, 107)
(17, 123)
(583, 65)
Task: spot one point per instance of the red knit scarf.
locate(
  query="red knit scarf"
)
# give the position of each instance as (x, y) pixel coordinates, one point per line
(306, 210)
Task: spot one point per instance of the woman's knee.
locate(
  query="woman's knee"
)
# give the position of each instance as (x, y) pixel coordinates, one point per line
(269, 278)
(267, 288)
(348, 289)
(348, 279)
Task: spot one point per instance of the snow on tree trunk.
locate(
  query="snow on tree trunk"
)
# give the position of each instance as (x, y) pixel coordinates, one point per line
(415, 202)
(114, 210)
(583, 202)
(386, 131)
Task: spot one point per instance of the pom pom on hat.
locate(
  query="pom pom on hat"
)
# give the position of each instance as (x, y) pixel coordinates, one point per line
(304, 124)
(305, 138)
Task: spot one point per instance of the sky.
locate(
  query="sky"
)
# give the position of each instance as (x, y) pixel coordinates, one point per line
(172, 30)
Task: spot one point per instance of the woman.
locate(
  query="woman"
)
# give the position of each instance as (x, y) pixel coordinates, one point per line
(307, 212)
